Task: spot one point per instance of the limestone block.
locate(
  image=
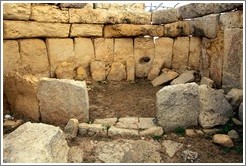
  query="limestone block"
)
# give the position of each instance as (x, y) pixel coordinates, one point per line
(130, 69)
(71, 128)
(231, 19)
(207, 81)
(30, 29)
(98, 70)
(233, 55)
(104, 50)
(183, 78)
(62, 99)
(195, 53)
(145, 123)
(153, 131)
(131, 30)
(11, 56)
(75, 155)
(80, 74)
(121, 6)
(59, 50)
(34, 57)
(123, 49)
(180, 52)
(65, 70)
(76, 5)
(205, 58)
(164, 78)
(236, 96)
(180, 28)
(144, 52)
(46, 143)
(178, 105)
(106, 121)
(49, 13)
(127, 123)
(16, 11)
(114, 131)
(223, 140)
(117, 72)
(86, 30)
(165, 16)
(92, 129)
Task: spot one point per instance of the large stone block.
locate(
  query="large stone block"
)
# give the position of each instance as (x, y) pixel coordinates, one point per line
(205, 58)
(46, 143)
(16, 11)
(232, 19)
(180, 28)
(180, 52)
(85, 30)
(30, 29)
(34, 57)
(98, 70)
(164, 16)
(233, 57)
(49, 13)
(178, 105)
(164, 78)
(104, 50)
(62, 99)
(11, 56)
(144, 52)
(131, 30)
(117, 72)
(195, 53)
(21, 92)
(59, 50)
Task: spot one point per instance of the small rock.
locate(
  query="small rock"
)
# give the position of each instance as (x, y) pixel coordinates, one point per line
(223, 140)
(80, 74)
(211, 131)
(190, 132)
(183, 69)
(75, 155)
(236, 97)
(9, 117)
(233, 134)
(240, 112)
(237, 122)
(189, 155)
(207, 81)
(65, 70)
(171, 147)
(185, 77)
(114, 131)
(152, 131)
(164, 78)
(72, 128)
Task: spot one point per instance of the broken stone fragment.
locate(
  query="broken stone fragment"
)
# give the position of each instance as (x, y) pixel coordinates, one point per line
(65, 70)
(223, 140)
(164, 78)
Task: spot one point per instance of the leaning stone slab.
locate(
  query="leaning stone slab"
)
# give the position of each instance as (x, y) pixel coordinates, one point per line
(35, 143)
(165, 16)
(16, 11)
(92, 129)
(114, 131)
(164, 78)
(61, 100)
(185, 77)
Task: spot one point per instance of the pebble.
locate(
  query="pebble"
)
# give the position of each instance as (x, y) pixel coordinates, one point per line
(233, 134)
(9, 117)
(223, 139)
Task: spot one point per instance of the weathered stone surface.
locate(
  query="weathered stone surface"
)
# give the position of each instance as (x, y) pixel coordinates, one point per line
(86, 30)
(46, 143)
(11, 56)
(207, 81)
(61, 100)
(80, 73)
(193, 10)
(144, 52)
(178, 105)
(145, 123)
(236, 96)
(131, 30)
(233, 55)
(72, 5)
(231, 19)
(117, 72)
(201, 28)
(180, 28)
(152, 131)
(180, 52)
(185, 77)
(84, 52)
(171, 147)
(104, 50)
(71, 128)
(16, 11)
(21, 94)
(49, 13)
(240, 112)
(65, 70)
(30, 29)
(34, 57)
(92, 129)
(121, 6)
(106, 121)
(205, 58)
(214, 108)
(75, 155)
(100, 16)
(237, 122)
(195, 53)
(10, 124)
(114, 131)
(98, 70)
(130, 69)
(127, 123)
(190, 132)
(189, 155)
(59, 50)
(223, 140)
(164, 78)
(233, 134)
(164, 16)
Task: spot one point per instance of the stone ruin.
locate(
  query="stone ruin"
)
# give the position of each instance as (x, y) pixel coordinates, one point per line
(50, 49)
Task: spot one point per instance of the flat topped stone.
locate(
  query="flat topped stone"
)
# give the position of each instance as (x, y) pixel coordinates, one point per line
(128, 123)
(106, 121)
(185, 77)
(145, 123)
(171, 147)
(164, 78)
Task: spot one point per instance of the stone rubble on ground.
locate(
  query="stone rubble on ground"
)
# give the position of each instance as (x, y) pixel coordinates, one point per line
(233, 134)
(223, 140)
(71, 129)
(185, 77)
(189, 155)
(235, 97)
(207, 81)
(171, 147)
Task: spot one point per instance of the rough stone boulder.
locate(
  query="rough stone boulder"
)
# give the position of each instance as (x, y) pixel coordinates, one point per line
(65, 70)
(117, 72)
(35, 143)
(61, 100)
(214, 108)
(21, 94)
(235, 97)
(178, 105)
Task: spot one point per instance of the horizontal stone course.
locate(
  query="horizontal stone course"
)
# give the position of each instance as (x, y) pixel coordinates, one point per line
(16, 11)
(86, 30)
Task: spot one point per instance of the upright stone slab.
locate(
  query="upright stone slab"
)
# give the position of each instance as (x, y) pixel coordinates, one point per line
(104, 50)
(61, 100)
(178, 105)
(232, 19)
(144, 52)
(165, 16)
(98, 70)
(195, 53)
(180, 52)
(16, 11)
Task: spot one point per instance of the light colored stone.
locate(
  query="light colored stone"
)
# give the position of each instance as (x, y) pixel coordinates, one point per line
(21, 94)
(30, 29)
(171, 147)
(189, 155)
(86, 30)
(61, 100)
(75, 5)
(130, 69)
(121, 6)
(240, 112)
(131, 30)
(127, 123)
(65, 70)
(232, 19)
(237, 122)
(59, 50)
(106, 121)
(223, 140)
(75, 155)
(145, 123)
(46, 143)
(16, 11)
(180, 52)
(178, 105)
(80, 73)
(190, 132)
(11, 56)
(183, 78)
(71, 129)
(144, 52)
(165, 16)
(236, 97)
(214, 108)
(117, 72)
(98, 70)
(152, 131)
(164, 78)
(92, 129)
(104, 50)
(211, 131)
(114, 131)
(49, 13)
(233, 134)
(34, 57)
(195, 53)
(207, 81)
(180, 28)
